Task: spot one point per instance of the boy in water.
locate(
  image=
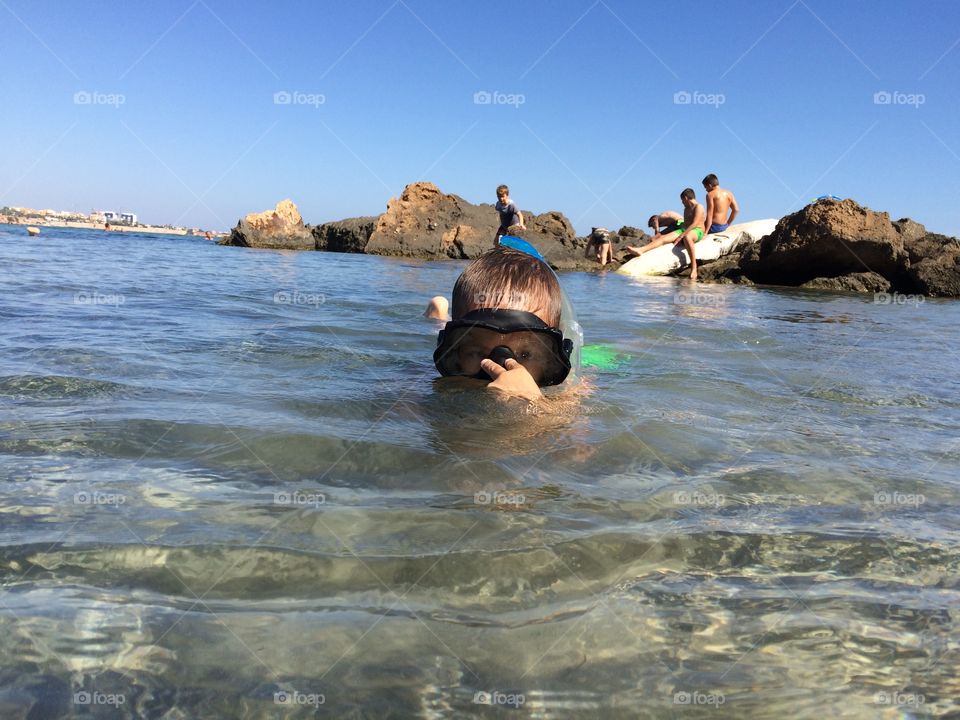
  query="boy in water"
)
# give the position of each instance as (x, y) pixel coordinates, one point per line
(509, 215)
(690, 232)
(719, 203)
(599, 245)
(506, 325)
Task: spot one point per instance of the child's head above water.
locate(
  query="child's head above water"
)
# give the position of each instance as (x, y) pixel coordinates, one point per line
(508, 279)
(506, 303)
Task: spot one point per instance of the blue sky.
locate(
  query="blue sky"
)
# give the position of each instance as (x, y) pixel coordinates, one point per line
(781, 105)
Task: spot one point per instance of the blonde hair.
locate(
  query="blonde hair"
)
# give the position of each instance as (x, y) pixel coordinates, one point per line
(508, 279)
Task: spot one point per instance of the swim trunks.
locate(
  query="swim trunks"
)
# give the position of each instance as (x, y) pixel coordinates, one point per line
(698, 231)
(717, 227)
(671, 226)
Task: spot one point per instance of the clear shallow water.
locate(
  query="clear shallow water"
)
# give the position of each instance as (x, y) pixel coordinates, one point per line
(209, 497)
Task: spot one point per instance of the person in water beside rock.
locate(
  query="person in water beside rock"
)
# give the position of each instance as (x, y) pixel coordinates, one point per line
(599, 246)
(507, 327)
(689, 233)
(720, 202)
(509, 214)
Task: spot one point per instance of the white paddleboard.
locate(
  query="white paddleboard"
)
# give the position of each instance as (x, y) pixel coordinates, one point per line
(668, 259)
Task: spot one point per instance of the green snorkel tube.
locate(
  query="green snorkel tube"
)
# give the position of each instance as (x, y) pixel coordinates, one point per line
(602, 357)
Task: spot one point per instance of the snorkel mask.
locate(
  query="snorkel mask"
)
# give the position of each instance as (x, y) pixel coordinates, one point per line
(551, 354)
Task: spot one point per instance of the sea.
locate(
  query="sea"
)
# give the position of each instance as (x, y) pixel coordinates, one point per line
(231, 486)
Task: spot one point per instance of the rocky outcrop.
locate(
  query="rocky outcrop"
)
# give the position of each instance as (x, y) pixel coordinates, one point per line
(279, 229)
(840, 245)
(934, 266)
(827, 239)
(829, 244)
(424, 222)
(347, 236)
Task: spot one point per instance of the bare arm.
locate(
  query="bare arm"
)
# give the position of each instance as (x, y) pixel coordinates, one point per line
(734, 209)
(520, 218)
(709, 212)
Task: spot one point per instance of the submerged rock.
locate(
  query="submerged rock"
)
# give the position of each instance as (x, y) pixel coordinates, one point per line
(281, 228)
(867, 282)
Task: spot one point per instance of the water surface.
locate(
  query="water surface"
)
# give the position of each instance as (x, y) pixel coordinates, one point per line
(227, 479)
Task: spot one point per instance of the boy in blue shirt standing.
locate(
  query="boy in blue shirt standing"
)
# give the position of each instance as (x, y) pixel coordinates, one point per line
(509, 214)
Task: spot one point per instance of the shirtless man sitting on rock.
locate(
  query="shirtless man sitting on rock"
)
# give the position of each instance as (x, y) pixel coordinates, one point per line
(719, 203)
(689, 233)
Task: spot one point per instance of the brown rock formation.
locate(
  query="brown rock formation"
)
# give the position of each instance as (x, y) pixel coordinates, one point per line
(280, 228)
(840, 245)
(425, 222)
(827, 239)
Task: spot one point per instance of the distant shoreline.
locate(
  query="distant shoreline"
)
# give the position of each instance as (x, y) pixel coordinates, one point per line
(148, 229)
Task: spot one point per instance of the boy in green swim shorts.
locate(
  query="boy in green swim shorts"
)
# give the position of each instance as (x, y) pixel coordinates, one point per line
(690, 232)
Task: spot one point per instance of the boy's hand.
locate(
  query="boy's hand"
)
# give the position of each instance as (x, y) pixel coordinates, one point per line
(511, 378)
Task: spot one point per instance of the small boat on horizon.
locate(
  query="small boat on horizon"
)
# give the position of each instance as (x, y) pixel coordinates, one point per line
(33, 231)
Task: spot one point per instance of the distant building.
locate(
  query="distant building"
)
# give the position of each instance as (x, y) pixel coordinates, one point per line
(121, 217)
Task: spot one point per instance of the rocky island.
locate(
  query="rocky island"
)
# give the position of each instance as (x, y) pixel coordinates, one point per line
(829, 244)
